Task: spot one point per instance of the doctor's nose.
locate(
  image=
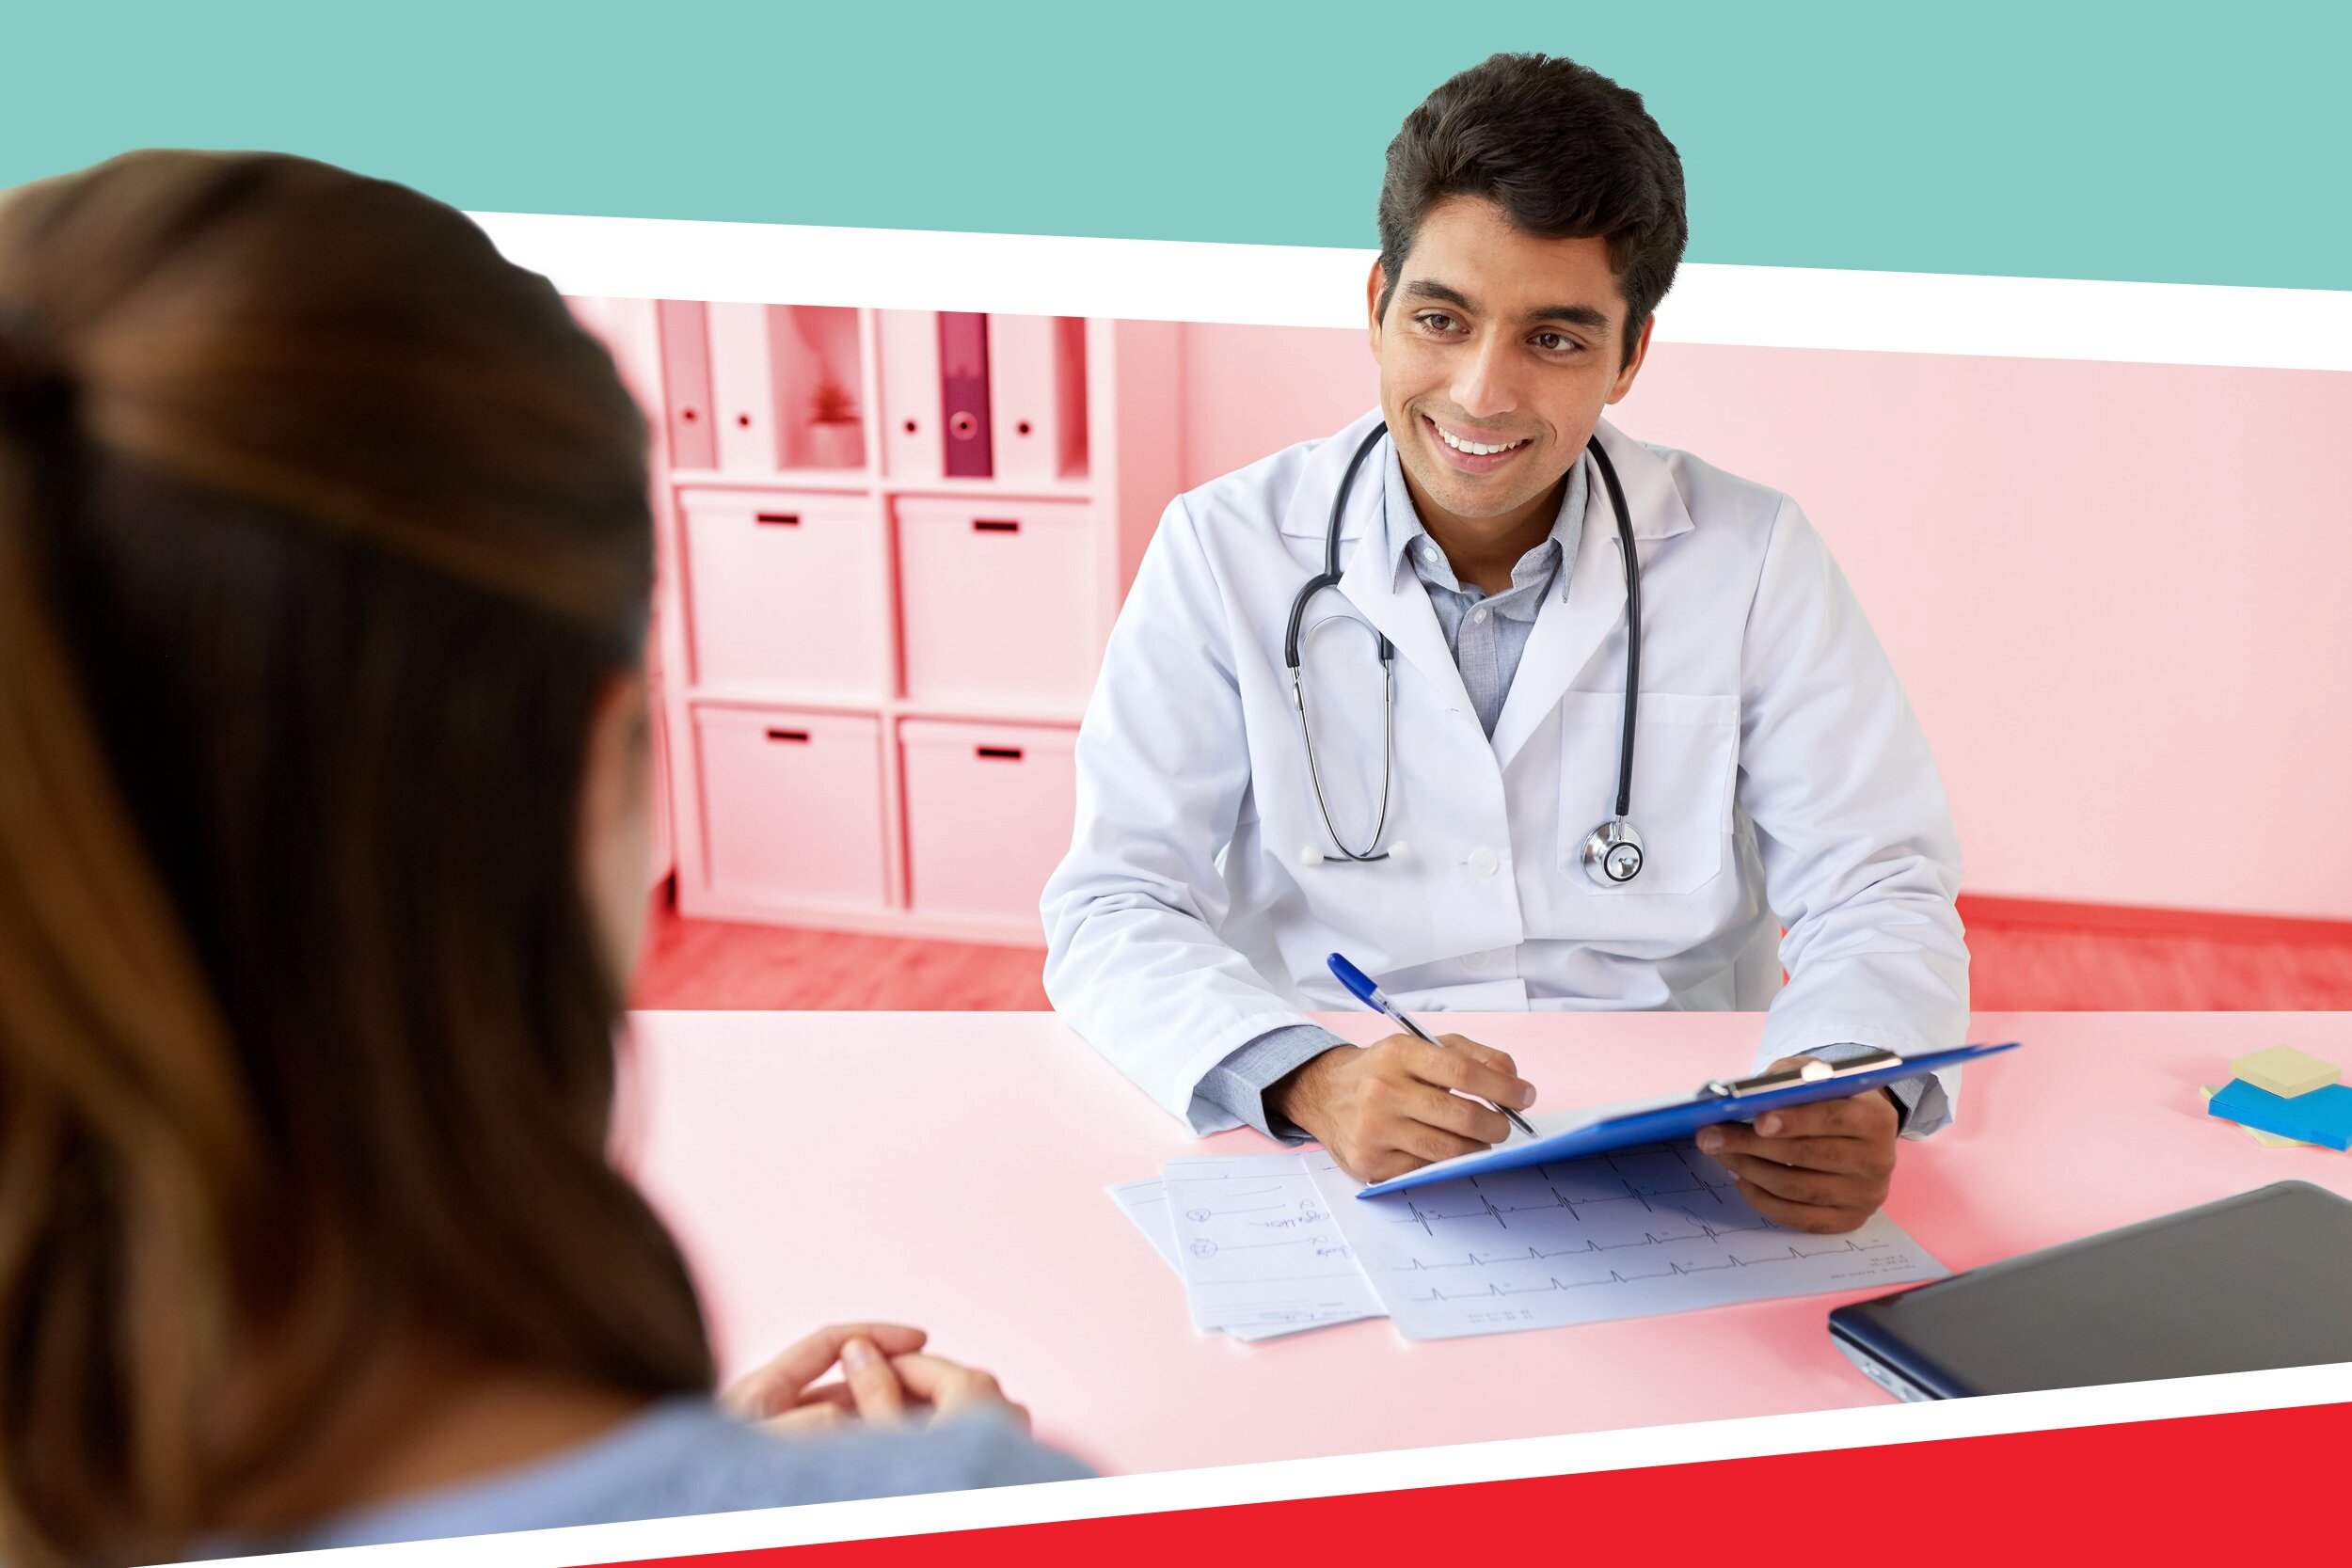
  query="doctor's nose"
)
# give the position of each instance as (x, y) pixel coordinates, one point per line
(1483, 387)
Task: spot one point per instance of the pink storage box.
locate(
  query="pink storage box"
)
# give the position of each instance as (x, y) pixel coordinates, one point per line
(988, 813)
(996, 603)
(785, 591)
(792, 807)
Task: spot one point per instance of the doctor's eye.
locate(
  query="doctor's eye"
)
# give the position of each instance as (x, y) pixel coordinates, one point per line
(1556, 342)
(1438, 320)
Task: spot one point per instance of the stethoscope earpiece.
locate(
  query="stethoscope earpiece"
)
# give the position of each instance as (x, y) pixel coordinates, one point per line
(1612, 851)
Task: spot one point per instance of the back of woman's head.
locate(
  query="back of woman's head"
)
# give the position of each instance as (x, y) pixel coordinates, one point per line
(323, 530)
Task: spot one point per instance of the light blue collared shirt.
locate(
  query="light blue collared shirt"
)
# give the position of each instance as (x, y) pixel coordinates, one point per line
(1486, 633)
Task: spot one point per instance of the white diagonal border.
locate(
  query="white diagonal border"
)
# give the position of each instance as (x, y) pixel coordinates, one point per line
(2033, 318)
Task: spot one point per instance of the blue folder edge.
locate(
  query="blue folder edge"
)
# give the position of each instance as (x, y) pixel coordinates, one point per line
(1678, 1120)
(2322, 1115)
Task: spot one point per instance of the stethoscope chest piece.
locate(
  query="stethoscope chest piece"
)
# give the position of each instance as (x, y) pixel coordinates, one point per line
(1612, 853)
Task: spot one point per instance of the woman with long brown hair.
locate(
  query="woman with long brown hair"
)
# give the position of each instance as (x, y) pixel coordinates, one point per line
(324, 566)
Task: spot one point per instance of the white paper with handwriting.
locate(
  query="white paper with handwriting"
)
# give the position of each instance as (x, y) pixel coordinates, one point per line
(1258, 1246)
(1145, 1203)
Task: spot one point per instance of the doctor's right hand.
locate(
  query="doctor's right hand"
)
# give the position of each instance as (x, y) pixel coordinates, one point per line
(1397, 1106)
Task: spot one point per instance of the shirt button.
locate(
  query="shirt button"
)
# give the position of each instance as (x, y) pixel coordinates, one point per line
(1483, 863)
(1479, 617)
(1475, 961)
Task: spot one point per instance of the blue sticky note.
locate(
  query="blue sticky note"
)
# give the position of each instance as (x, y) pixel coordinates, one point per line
(2321, 1116)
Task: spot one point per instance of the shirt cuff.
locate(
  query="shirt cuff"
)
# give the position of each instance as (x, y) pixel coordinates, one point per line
(1237, 1084)
(1920, 1102)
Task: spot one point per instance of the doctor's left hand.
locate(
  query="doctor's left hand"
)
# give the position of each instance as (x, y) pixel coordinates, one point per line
(1822, 1168)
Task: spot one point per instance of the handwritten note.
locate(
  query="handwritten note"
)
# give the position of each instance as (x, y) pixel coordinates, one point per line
(1259, 1247)
(1145, 1204)
(1633, 1234)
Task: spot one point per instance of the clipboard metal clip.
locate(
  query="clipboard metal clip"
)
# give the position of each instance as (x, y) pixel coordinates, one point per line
(1813, 1071)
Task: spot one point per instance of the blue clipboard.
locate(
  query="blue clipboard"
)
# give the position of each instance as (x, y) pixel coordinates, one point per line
(1719, 1100)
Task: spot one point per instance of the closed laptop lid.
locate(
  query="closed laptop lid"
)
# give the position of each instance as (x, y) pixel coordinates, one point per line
(2259, 1280)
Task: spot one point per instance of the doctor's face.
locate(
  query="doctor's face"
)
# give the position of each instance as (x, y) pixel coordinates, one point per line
(1497, 353)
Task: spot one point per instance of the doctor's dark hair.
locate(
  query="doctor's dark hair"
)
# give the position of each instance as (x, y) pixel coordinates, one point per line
(1565, 151)
(323, 530)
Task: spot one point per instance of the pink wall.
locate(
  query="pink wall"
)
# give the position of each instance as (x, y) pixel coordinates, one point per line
(2115, 591)
(1250, 390)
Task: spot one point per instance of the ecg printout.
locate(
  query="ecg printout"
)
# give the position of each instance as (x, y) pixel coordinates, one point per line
(1631, 1233)
(1145, 1203)
(1258, 1246)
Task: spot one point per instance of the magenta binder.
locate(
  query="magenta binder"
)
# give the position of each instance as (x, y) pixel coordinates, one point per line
(964, 392)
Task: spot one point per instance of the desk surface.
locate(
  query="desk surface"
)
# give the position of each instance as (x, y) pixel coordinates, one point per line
(947, 1169)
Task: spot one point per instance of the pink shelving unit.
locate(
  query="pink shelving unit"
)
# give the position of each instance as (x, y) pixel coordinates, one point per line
(871, 674)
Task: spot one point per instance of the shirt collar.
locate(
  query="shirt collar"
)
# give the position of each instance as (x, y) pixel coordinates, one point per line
(1404, 526)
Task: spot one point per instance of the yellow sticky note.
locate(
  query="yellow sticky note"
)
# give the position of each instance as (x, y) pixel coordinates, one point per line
(2284, 1071)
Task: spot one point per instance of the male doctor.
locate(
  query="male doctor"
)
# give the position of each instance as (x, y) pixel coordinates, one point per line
(1529, 222)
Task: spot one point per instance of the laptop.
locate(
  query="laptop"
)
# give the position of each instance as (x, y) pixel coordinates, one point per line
(2252, 1282)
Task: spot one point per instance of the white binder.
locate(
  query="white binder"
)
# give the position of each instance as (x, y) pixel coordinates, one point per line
(743, 388)
(1037, 390)
(909, 367)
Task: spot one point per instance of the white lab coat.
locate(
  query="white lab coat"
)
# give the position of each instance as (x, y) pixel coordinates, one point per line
(1779, 777)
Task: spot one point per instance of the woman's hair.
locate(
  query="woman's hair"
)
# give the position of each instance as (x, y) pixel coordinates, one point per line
(322, 530)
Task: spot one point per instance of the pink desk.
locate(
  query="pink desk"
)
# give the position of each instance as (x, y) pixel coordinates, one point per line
(947, 1169)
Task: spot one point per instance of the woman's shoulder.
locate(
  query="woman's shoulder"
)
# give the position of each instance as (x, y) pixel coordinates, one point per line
(964, 1452)
(686, 1456)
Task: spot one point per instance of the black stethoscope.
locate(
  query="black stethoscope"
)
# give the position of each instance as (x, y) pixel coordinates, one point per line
(1612, 851)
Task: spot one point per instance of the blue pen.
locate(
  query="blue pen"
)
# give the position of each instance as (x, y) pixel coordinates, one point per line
(1360, 985)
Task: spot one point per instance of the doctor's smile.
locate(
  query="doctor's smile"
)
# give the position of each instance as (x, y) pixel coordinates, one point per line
(1473, 454)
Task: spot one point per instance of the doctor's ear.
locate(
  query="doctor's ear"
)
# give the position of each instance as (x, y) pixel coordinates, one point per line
(1632, 366)
(1373, 286)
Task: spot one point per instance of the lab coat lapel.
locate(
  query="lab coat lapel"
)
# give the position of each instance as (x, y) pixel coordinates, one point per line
(1568, 630)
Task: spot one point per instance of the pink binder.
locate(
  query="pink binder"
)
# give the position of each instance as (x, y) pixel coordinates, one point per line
(911, 437)
(1036, 392)
(686, 384)
(964, 392)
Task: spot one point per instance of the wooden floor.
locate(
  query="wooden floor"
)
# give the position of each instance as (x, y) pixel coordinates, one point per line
(2024, 966)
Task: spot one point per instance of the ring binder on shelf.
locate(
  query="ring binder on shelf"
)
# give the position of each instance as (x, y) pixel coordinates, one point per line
(964, 392)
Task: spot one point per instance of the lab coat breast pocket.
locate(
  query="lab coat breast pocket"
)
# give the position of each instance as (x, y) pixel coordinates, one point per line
(1686, 754)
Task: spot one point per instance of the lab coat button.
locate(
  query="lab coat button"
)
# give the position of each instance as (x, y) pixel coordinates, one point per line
(1475, 961)
(1483, 863)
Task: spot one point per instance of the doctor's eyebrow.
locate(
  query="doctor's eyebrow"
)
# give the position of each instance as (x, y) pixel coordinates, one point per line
(1573, 315)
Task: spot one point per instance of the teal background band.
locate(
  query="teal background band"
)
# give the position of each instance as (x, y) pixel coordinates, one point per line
(2153, 142)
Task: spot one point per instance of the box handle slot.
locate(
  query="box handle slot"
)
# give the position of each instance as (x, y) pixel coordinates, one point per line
(999, 753)
(996, 525)
(780, 519)
(797, 736)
